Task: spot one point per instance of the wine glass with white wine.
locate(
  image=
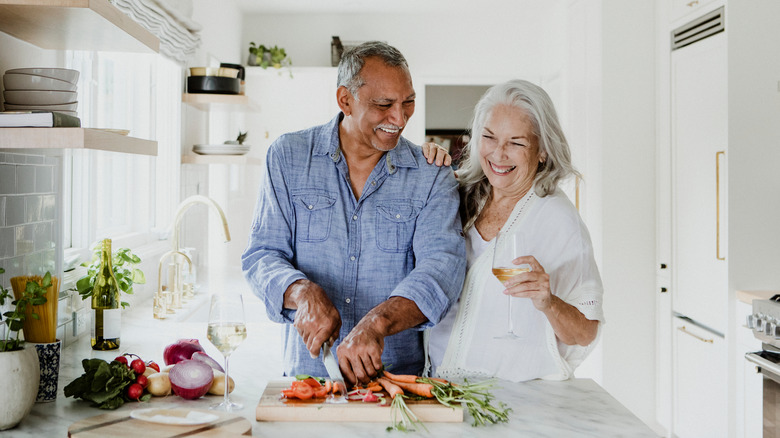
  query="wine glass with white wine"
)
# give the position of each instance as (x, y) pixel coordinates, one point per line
(506, 248)
(227, 330)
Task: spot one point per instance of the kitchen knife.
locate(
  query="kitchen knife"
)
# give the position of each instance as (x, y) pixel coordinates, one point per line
(335, 375)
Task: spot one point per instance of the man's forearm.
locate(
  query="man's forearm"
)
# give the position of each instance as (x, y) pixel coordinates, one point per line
(393, 316)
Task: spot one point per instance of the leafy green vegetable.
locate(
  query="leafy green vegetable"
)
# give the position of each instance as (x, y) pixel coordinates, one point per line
(103, 384)
(123, 263)
(476, 397)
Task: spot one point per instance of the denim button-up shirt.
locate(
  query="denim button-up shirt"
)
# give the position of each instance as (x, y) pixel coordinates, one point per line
(401, 238)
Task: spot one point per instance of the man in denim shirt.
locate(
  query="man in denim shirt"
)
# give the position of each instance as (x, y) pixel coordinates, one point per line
(356, 240)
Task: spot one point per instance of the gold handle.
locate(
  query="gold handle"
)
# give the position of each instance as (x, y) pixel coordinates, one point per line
(577, 193)
(717, 204)
(693, 3)
(684, 330)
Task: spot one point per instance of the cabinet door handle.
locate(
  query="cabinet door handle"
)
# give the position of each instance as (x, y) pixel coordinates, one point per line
(692, 4)
(717, 205)
(684, 330)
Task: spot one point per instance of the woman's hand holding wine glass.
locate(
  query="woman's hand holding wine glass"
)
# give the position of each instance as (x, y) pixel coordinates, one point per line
(506, 249)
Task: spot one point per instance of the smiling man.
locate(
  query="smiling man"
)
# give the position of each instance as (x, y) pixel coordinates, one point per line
(356, 241)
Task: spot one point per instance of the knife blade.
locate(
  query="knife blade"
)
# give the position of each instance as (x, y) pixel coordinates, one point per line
(335, 375)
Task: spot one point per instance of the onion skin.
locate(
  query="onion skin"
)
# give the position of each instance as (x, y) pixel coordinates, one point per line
(201, 356)
(183, 349)
(191, 379)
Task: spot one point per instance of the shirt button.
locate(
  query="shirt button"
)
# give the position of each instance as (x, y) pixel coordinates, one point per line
(352, 258)
(373, 183)
(348, 300)
(398, 216)
(310, 207)
(354, 218)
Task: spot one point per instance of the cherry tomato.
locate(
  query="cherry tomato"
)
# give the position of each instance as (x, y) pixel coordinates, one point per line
(121, 359)
(142, 380)
(135, 391)
(152, 364)
(138, 366)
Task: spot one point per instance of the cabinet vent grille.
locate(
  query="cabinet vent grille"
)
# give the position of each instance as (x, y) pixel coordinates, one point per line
(698, 29)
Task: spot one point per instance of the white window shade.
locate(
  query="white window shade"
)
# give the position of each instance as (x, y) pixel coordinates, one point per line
(178, 34)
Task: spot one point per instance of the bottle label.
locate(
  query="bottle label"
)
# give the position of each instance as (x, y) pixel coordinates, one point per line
(112, 321)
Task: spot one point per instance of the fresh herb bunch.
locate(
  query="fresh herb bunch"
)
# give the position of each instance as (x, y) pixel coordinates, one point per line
(265, 57)
(475, 396)
(124, 265)
(34, 294)
(103, 384)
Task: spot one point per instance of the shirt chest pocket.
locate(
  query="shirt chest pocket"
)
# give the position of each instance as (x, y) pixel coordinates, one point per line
(313, 213)
(395, 222)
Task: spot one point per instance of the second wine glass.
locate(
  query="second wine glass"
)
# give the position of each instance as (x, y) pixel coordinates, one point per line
(506, 248)
(227, 330)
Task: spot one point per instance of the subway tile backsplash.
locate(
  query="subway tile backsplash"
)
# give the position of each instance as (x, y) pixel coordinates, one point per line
(29, 219)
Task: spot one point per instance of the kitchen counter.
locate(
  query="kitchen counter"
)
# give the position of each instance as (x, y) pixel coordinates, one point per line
(577, 407)
(747, 296)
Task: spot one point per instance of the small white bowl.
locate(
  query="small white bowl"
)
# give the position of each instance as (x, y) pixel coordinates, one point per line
(64, 107)
(18, 81)
(39, 97)
(62, 74)
(225, 72)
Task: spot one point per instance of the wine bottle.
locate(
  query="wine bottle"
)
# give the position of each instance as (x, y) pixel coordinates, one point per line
(106, 314)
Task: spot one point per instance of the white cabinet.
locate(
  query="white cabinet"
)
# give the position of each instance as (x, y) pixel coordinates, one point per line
(749, 394)
(699, 381)
(699, 123)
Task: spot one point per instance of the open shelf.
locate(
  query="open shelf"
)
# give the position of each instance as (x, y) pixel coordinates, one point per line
(74, 138)
(204, 101)
(221, 159)
(75, 25)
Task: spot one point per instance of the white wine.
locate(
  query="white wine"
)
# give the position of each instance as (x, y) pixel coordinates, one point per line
(106, 314)
(227, 336)
(504, 274)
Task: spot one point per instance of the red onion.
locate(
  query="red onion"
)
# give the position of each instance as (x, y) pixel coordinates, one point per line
(191, 379)
(181, 350)
(201, 356)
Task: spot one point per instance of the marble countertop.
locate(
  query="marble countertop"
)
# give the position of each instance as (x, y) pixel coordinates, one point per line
(577, 407)
(747, 296)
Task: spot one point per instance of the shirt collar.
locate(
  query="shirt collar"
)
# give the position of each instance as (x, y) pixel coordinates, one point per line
(399, 156)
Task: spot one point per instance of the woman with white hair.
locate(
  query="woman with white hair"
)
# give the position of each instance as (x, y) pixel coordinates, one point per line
(509, 179)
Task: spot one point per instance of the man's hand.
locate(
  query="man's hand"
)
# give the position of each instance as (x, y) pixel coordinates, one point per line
(316, 319)
(436, 154)
(360, 353)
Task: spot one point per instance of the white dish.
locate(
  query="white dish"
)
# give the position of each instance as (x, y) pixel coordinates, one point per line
(64, 107)
(178, 417)
(62, 74)
(220, 149)
(39, 97)
(18, 81)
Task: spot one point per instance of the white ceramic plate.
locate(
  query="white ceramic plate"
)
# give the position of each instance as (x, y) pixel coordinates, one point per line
(220, 149)
(177, 417)
(39, 97)
(62, 74)
(64, 107)
(18, 81)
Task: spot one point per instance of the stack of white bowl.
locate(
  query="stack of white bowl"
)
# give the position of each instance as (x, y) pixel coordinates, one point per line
(47, 89)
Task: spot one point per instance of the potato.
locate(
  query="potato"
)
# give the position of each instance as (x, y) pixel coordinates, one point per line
(149, 371)
(218, 384)
(167, 368)
(159, 384)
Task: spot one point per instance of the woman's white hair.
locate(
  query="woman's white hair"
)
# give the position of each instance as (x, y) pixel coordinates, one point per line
(475, 187)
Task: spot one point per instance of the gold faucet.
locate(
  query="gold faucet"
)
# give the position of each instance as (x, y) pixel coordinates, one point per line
(164, 300)
(189, 202)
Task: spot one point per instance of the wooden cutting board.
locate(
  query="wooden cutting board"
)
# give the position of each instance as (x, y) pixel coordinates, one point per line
(120, 424)
(273, 407)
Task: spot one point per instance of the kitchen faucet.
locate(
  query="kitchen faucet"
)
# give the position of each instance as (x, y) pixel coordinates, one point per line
(186, 204)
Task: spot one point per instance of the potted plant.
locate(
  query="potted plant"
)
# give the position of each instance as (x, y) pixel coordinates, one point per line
(124, 264)
(19, 365)
(265, 57)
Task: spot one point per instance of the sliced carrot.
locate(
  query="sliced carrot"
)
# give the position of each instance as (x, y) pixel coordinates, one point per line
(374, 387)
(407, 378)
(391, 388)
(421, 389)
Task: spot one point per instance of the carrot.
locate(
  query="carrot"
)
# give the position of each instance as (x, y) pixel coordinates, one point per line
(374, 387)
(391, 388)
(421, 389)
(406, 378)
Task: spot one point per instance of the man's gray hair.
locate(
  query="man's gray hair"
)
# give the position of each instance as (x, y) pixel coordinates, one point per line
(352, 62)
(557, 166)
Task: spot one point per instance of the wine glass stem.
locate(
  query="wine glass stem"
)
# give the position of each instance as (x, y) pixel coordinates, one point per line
(509, 317)
(227, 382)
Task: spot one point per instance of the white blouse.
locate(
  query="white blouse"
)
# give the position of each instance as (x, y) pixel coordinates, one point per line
(467, 343)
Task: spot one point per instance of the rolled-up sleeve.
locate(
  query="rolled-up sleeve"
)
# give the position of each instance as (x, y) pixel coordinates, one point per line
(439, 252)
(266, 260)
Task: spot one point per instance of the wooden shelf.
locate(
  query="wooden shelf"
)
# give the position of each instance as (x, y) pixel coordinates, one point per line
(74, 138)
(75, 25)
(221, 159)
(204, 101)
